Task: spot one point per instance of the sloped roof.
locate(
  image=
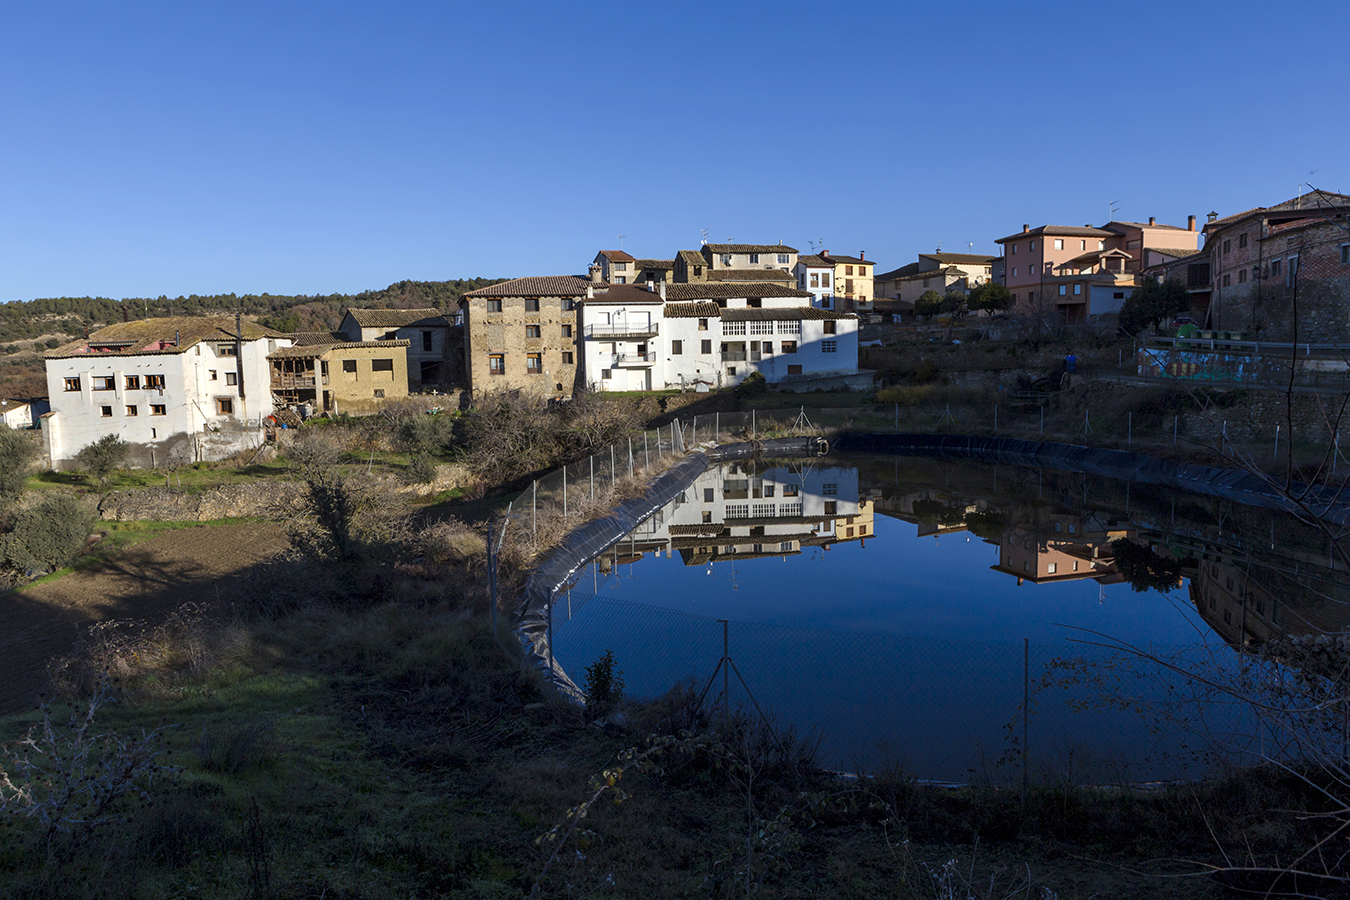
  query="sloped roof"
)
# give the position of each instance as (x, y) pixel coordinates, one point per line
(655, 263)
(539, 286)
(724, 290)
(948, 272)
(814, 259)
(166, 334)
(1174, 252)
(959, 258)
(692, 258)
(1144, 225)
(623, 293)
(778, 315)
(750, 248)
(1066, 230)
(908, 269)
(700, 310)
(1308, 202)
(309, 338)
(849, 260)
(396, 318)
(617, 256)
(313, 351)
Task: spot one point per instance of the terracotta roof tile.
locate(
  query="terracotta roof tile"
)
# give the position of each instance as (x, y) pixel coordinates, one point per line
(538, 286)
(396, 318)
(692, 258)
(160, 335)
(655, 263)
(783, 315)
(700, 310)
(750, 248)
(617, 256)
(720, 290)
(771, 275)
(814, 259)
(1066, 230)
(959, 258)
(310, 351)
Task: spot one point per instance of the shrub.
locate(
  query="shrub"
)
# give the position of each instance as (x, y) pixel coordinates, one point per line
(420, 470)
(426, 434)
(103, 457)
(16, 453)
(46, 533)
(604, 684)
(906, 395)
(754, 385)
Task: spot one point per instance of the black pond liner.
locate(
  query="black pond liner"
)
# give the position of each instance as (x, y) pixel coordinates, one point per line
(585, 543)
(1237, 485)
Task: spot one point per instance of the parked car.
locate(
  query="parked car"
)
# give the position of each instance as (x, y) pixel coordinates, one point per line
(1183, 320)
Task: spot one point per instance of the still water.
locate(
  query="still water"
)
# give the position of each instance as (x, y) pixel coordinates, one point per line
(901, 609)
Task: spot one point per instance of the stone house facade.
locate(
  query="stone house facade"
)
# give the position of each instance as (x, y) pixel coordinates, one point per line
(330, 374)
(429, 333)
(522, 334)
(1283, 270)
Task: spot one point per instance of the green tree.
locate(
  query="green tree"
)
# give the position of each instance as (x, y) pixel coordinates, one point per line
(989, 297)
(103, 457)
(928, 305)
(16, 453)
(954, 303)
(1145, 569)
(46, 534)
(1151, 303)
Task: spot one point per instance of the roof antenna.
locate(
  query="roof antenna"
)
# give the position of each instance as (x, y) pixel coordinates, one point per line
(704, 231)
(621, 237)
(1115, 204)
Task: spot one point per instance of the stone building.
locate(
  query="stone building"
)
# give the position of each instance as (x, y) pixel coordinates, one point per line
(430, 336)
(328, 373)
(521, 334)
(1278, 270)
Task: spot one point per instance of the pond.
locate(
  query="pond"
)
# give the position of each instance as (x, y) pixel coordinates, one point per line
(939, 615)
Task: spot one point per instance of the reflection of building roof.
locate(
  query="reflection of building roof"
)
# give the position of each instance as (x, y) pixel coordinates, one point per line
(750, 248)
(718, 290)
(397, 318)
(725, 540)
(313, 351)
(160, 336)
(538, 286)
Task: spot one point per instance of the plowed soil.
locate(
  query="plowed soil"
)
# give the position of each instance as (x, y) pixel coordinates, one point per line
(203, 564)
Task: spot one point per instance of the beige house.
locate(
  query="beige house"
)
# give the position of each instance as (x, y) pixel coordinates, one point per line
(616, 266)
(522, 334)
(852, 281)
(331, 374)
(726, 258)
(897, 290)
(427, 331)
(690, 267)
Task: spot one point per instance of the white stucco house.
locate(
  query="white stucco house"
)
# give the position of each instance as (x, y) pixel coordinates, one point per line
(177, 390)
(713, 334)
(815, 275)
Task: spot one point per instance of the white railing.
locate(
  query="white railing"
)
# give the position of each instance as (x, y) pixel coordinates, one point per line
(621, 329)
(632, 359)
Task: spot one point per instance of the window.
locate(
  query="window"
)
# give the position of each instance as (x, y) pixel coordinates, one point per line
(132, 411)
(733, 328)
(381, 365)
(105, 411)
(831, 507)
(706, 347)
(1291, 272)
(1031, 269)
(604, 375)
(104, 383)
(1242, 240)
(1242, 276)
(133, 382)
(496, 364)
(1014, 246)
(1101, 245)
(1077, 289)
(379, 393)
(702, 324)
(829, 327)
(426, 342)
(349, 365)
(1014, 271)
(676, 348)
(1345, 254)
(532, 331)
(824, 279)
(828, 346)
(782, 258)
(567, 331)
(815, 276)
(726, 259)
(789, 490)
(790, 327)
(1059, 243)
(567, 359)
(154, 382)
(1226, 280)
(789, 346)
(568, 304)
(1051, 568)
(494, 306)
(1226, 247)
(1274, 268)
(532, 304)
(618, 267)
(761, 327)
(1118, 295)
(731, 370)
(1063, 289)
(794, 370)
(214, 376)
(534, 363)
(698, 270)
(73, 384)
(231, 377)
(754, 258)
(848, 270)
(1082, 245)
(224, 406)
(158, 409)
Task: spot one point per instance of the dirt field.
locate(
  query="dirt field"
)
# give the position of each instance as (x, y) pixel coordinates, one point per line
(144, 582)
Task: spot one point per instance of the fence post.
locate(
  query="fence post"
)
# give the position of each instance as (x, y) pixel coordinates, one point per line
(646, 457)
(564, 492)
(492, 583)
(1026, 706)
(995, 418)
(592, 476)
(717, 426)
(1129, 428)
(534, 507)
(630, 456)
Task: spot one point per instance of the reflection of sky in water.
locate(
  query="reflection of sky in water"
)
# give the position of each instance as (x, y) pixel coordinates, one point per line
(897, 649)
(899, 584)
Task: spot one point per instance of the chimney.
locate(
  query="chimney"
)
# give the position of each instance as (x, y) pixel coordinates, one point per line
(595, 273)
(663, 290)
(1190, 223)
(862, 254)
(1212, 215)
(825, 254)
(1152, 220)
(1025, 228)
(590, 290)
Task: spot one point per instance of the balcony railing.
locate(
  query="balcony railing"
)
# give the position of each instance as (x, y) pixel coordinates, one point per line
(294, 382)
(734, 356)
(632, 359)
(623, 330)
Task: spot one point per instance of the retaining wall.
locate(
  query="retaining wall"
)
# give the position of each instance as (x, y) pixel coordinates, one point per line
(274, 499)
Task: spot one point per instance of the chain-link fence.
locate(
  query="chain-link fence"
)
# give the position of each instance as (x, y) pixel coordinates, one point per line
(944, 710)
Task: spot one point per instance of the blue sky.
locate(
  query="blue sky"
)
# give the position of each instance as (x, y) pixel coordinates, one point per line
(177, 148)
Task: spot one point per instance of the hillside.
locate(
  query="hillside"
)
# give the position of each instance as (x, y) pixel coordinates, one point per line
(28, 327)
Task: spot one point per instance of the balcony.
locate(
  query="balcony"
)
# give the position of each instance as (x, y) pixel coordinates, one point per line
(281, 382)
(632, 359)
(734, 356)
(635, 330)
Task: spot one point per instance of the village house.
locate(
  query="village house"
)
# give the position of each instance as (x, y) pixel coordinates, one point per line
(815, 275)
(1278, 268)
(521, 334)
(1081, 274)
(23, 413)
(328, 373)
(853, 277)
(616, 266)
(177, 390)
(897, 290)
(432, 362)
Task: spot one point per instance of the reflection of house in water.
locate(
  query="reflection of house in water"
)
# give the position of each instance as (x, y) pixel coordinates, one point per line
(932, 512)
(1062, 546)
(735, 512)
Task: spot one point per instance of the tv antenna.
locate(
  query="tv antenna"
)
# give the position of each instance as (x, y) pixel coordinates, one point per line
(621, 237)
(1115, 204)
(704, 231)
(970, 245)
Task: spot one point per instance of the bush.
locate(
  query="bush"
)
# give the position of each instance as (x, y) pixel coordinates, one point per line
(754, 385)
(604, 684)
(16, 453)
(46, 534)
(425, 434)
(420, 470)
(103, 457)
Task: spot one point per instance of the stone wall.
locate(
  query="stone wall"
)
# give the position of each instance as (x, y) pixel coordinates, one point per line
(267, 500)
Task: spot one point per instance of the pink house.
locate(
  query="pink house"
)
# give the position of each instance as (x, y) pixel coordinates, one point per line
(1081, 274)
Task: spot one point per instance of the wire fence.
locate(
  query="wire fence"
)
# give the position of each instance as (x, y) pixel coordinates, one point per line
(948, 711)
